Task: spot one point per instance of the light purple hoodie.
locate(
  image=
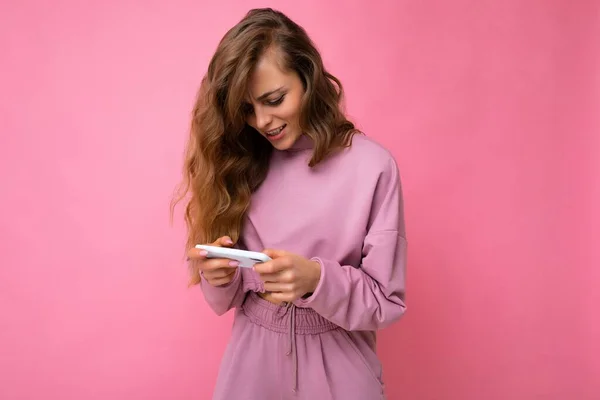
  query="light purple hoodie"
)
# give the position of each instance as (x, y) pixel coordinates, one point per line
(347, 214)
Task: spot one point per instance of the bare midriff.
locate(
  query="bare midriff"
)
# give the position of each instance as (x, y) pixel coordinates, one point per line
(268, 296)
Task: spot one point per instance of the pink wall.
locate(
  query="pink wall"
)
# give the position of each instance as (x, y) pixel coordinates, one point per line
(490, 107)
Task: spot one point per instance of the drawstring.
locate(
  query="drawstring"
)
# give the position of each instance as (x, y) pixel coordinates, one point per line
(293, 348)
(291, 324)
(292, 345)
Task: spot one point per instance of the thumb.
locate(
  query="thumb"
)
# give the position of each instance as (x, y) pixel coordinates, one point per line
(224, 241)
(273, 253)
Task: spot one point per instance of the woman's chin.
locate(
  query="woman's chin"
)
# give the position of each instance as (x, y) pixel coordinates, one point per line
(285, 142)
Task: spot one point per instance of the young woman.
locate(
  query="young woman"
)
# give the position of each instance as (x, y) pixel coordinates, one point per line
(273, 165)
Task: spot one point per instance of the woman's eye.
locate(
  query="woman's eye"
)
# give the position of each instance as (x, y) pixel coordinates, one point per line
(275, 102)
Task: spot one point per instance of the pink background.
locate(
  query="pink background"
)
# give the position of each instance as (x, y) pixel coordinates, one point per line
(491, 108)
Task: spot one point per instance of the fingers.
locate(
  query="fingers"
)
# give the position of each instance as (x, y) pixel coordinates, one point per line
(210, 264)
(218, 273)
(274, 253)
(274, 266)
(196, 254)
(279, 287)
(287, 297)
(270, 277)
(223, 241)
(285, 276)
(221, 280)
(199, 254)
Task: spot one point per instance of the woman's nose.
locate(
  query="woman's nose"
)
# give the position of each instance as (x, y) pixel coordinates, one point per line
(263, 119)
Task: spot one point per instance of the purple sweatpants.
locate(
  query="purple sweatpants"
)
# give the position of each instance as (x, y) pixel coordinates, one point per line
(284, 352)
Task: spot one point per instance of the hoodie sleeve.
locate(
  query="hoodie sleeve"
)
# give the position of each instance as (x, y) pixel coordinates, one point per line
(223, 298)
(371, 296)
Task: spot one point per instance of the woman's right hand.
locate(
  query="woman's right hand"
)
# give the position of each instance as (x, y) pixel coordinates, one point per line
(216, 271)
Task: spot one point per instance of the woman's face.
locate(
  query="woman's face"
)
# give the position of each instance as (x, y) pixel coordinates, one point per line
(273, 101)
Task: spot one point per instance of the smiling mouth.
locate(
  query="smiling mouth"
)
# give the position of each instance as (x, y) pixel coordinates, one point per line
(275, 132)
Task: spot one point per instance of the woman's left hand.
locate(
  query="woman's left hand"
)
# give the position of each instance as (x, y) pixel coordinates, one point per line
(288, 276)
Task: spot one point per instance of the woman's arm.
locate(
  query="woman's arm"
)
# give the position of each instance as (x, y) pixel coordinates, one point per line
(372, 296)
(223, 298)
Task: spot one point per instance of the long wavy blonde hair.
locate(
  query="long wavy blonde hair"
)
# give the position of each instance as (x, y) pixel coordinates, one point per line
(226, 160)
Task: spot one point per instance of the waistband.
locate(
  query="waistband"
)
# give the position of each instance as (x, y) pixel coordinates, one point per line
(277, 317)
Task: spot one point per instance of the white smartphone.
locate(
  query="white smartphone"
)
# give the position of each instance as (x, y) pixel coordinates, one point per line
(246, 258)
